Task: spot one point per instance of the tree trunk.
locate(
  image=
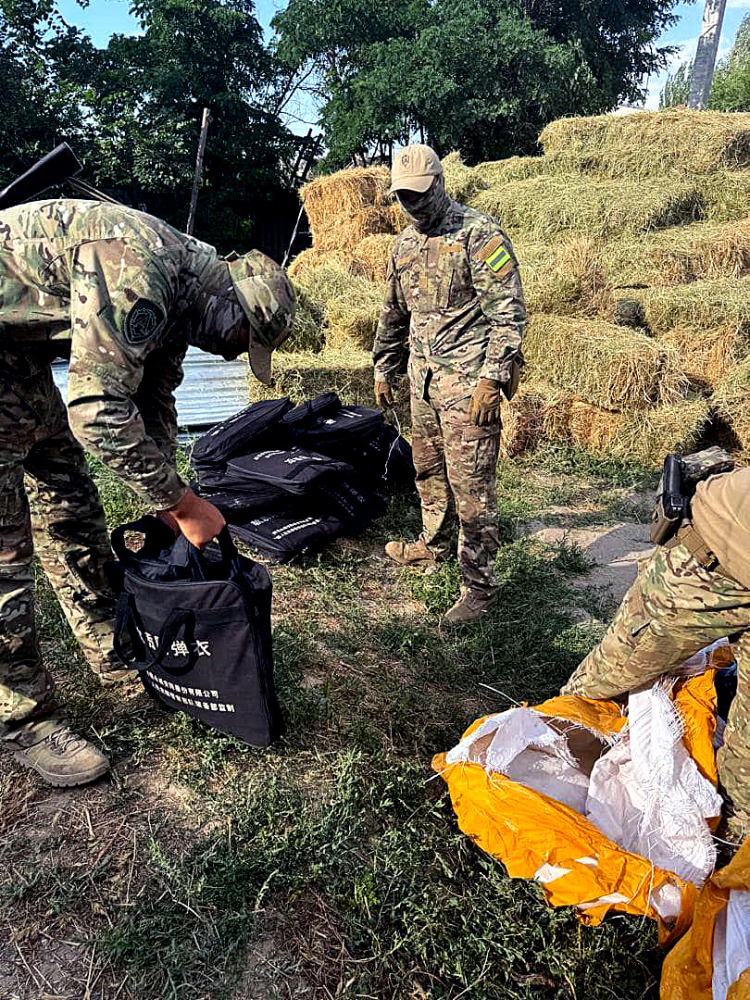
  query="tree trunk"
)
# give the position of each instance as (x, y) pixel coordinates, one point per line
(705, 56)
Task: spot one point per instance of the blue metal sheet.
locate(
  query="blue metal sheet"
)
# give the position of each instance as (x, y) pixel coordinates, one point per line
(212, 390)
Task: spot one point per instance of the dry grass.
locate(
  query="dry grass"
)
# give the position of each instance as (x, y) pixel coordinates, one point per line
(545, 207)
(313, 258)
(707, 356)
(373, 254)
(650, 143)
(345, 207)
(732, 402)
(541, 412)
(706, 250)
(611, 367)
(353, 315)
(568, 279)
(700, 304)
(307, 332)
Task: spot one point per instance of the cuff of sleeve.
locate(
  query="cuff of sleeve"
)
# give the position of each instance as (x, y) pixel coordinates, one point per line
(168, 495)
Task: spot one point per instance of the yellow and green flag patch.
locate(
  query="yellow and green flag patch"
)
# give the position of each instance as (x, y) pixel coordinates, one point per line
(496, 256)
(498, 259)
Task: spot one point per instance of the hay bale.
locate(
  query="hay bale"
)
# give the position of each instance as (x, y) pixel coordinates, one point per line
(314, 258)
(523, 422)
(346, 371)
(461, 182)
(494, 173)
(321, 284)
(374, 253)
(345, 207)
(700, 304)
(706, 356)
(542, 208)
(308, 330)
(732, 402)
(352, 316)
(675, 256)
(605, 364)
(568, 280)
(650, 143)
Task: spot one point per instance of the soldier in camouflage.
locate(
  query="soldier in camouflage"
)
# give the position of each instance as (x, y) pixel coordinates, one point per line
(454, 302)
(693, 590)
(122, 295)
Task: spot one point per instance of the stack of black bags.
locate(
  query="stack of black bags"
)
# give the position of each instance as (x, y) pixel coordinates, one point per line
(289, 479)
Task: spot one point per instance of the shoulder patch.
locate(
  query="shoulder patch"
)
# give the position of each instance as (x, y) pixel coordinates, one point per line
(496, 256)
(142, 322)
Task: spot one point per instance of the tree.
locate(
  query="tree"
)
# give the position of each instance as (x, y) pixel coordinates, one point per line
(730, 87)
(132, 111)
(480, 75)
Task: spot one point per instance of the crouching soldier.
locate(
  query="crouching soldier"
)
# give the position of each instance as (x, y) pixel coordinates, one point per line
(122, 295)
(455, 296)
(693, 590)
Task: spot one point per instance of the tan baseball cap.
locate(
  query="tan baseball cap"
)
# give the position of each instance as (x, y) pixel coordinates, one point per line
(415, 168)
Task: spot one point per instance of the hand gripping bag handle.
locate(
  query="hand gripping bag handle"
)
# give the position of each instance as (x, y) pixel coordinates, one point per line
(177, 620)
(153, 530)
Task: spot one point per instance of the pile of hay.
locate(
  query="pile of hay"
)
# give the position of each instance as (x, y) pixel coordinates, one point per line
(567, 279)
(648, 144)
(352, 317)
(540, 412)
(547, 206)
(607, 365)
(334, 307)
(373, 255)
(700, 304)
(732, 402)
(345, 207)
(346, 371)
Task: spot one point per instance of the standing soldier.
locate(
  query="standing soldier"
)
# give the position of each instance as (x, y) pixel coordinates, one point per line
(121, 294)
(454, 294)
(694, 590)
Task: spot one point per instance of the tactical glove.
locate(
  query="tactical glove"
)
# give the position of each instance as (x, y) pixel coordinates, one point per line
(384, 395)
(485, 403)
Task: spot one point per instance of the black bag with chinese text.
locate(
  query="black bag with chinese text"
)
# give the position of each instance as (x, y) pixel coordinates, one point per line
(197, 626)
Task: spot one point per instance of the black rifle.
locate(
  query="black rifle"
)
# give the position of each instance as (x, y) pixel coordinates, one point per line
(671, 505)
(60, 165)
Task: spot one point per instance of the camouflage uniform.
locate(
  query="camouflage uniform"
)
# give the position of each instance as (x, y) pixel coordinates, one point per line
(121, 294)
(674, 609)
(454, 295)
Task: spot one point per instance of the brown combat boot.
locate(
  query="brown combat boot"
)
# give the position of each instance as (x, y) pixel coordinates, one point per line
(415, 555)
(58, 755)
(470, 607)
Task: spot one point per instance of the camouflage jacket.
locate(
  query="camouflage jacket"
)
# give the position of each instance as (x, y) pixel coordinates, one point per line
(456, 298)
(112, 288)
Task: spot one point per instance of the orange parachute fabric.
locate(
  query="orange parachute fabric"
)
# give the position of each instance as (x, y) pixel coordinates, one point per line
(688, 968)
(535, 836)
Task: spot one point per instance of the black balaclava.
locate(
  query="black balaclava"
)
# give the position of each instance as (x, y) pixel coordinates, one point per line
(430, 209)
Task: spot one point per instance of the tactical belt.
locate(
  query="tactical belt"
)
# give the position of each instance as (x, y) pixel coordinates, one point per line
(688, 536)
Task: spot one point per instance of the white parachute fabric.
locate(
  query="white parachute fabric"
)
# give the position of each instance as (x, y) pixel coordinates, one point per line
(731, 948)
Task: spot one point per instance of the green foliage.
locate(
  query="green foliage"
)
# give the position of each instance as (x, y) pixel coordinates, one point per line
(132, 111)
(730, 86)
(480, 75)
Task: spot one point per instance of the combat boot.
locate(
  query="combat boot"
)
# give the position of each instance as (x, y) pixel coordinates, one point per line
(415, 555)
(54, 752)
(470, 607)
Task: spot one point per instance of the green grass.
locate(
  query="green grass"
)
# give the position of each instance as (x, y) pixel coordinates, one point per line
(330, 865)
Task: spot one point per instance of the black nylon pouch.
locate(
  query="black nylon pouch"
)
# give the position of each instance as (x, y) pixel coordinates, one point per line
(245, 431)
(284, 535)
(197, 626)
(345, 425)
(293, 469)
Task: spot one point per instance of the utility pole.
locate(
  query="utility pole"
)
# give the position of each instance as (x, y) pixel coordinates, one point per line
(705, 56)
(198, 170)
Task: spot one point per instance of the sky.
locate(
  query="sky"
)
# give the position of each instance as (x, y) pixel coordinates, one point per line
(103, 18)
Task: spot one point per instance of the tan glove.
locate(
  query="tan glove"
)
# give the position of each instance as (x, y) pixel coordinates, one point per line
(384, 395)
(485, 403)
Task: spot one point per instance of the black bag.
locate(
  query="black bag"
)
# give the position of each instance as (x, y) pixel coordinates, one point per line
(292, 469)
(199, 630)
(345, 425)
(284, 535)
(247, 430)
(383, 456)
(308, 412)
(350, 499)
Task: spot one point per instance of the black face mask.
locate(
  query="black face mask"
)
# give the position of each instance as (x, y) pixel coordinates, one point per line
(425, 211)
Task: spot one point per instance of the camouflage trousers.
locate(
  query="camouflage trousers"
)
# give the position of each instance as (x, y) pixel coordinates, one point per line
(456, 466)
(50, 506)
(674, 609)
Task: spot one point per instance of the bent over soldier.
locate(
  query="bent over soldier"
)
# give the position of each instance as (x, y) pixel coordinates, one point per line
(693, 590)
(122, 295)
(454, 300)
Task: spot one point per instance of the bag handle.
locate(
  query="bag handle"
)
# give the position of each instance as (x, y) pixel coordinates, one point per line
(230, 557)
(155, 532)
(179, 619)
